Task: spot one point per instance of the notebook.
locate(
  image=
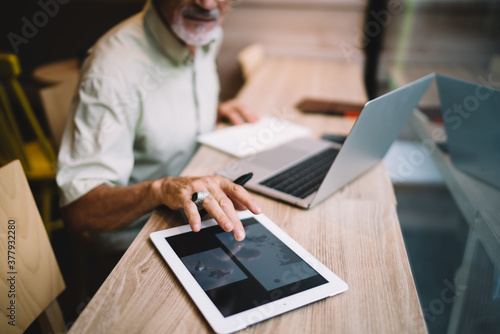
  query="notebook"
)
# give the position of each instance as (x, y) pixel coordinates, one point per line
(248, 139)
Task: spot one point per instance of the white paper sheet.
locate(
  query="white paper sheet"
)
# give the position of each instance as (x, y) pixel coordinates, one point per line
(247, 139)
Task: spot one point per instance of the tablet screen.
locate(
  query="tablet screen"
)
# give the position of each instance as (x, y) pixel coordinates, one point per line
(241, 275)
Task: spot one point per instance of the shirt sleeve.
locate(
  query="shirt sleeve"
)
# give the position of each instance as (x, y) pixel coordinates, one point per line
(97, 144)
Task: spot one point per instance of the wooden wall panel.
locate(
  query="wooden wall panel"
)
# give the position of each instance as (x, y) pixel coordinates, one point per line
(322, 29)
(459, 33)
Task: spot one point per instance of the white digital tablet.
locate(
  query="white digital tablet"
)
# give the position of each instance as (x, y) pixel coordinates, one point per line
(239, 283)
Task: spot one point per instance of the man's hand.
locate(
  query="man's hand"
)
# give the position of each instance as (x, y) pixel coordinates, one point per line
(235, 113)
(176, 193)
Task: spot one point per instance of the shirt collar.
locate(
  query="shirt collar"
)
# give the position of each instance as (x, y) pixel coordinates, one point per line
(165, 39)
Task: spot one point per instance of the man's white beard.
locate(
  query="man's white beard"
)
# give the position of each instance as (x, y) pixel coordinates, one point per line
(197, 38)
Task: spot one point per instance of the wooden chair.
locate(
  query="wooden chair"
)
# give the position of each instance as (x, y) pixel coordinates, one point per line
(37, 156)
(30, 279)
(56, 101)
(250, 59)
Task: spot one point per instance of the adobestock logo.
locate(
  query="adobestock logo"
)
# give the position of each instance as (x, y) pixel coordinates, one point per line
(462, 110)
(30, 28)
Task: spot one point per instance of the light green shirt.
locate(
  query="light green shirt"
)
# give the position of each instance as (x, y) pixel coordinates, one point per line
(140, 104)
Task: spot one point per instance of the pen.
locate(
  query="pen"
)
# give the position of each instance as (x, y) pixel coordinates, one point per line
(240, 181)
(243, 179)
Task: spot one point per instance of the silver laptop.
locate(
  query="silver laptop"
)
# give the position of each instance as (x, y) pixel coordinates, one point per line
(306, 171)
(471, 115)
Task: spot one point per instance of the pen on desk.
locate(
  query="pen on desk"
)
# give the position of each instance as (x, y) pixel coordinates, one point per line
(243, 179)
(240, 181)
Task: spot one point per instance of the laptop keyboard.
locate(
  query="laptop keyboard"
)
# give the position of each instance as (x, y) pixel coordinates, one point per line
(305, 178)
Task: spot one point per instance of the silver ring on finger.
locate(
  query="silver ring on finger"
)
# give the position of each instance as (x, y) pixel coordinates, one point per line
(199, 197)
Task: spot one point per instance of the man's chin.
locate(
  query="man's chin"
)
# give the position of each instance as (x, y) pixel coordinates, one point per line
(196, 34)
(195, 26)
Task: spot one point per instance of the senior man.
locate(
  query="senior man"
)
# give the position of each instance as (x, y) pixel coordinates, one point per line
(147, 89)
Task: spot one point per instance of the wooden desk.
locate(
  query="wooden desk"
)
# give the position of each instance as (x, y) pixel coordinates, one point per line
(355, 233)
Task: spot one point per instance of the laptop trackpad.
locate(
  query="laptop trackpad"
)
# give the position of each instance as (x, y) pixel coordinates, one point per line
(276, 158)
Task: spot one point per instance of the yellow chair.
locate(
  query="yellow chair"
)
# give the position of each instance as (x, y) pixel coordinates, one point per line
(30, 279)
(37, 157)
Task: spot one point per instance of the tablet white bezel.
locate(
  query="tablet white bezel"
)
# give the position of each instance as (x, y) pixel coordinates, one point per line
(221, 324)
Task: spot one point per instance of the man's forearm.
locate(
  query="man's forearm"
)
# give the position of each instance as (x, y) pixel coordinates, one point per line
(106, 208)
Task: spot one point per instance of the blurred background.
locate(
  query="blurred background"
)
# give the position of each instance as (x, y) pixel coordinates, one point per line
(395, 42)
